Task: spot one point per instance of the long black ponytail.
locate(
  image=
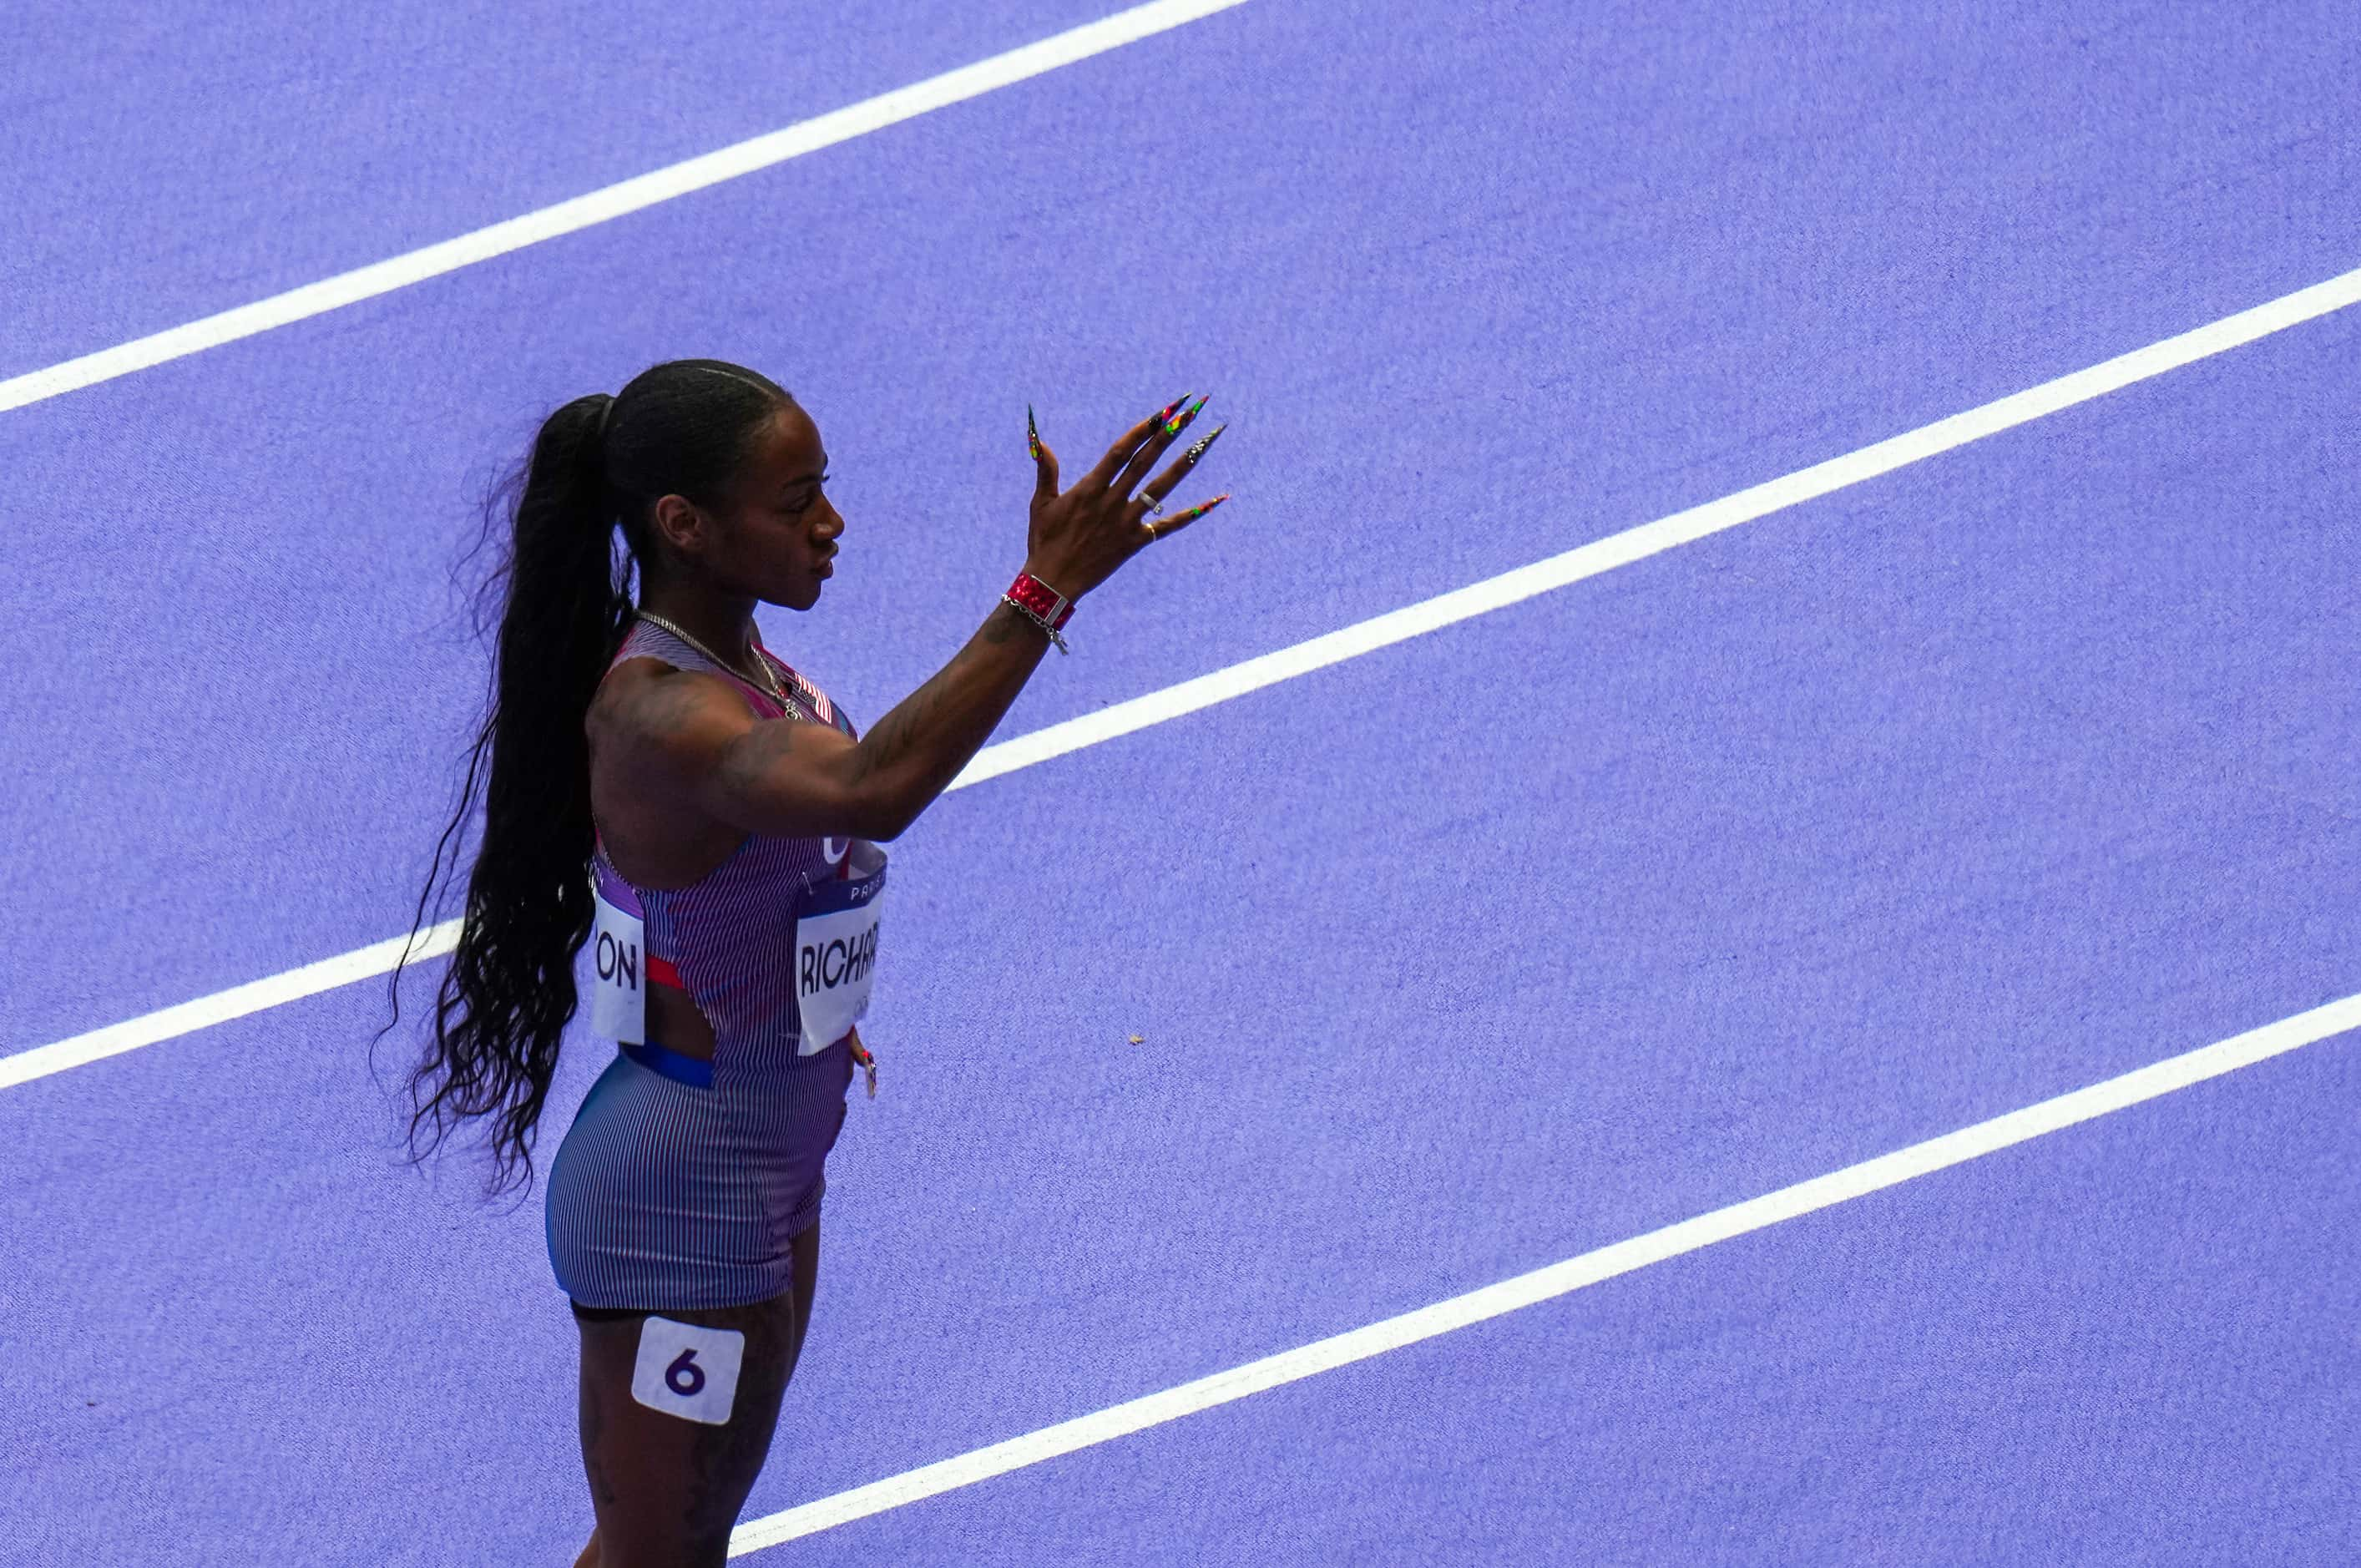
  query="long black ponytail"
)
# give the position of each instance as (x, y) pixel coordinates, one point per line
(598, 465)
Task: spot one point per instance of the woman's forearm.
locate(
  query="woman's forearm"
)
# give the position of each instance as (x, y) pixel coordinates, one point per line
(911, 755)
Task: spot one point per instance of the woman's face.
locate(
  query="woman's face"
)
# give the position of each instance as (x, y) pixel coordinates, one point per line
(781, 535)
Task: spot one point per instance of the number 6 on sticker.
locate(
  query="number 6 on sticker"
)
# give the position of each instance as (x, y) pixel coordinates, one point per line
(687, 1371)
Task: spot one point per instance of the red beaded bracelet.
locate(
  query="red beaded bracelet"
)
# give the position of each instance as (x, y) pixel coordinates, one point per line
(1042, 604)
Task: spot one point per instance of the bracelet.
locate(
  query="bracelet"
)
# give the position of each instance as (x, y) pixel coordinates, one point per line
(1042, 604)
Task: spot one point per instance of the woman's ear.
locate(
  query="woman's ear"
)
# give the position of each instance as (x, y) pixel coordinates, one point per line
(679, 524)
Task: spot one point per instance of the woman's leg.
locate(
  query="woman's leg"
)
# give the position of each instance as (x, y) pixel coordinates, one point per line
(667, 1490)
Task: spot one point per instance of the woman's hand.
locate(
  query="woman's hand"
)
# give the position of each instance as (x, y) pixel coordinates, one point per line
(691, 737)
(1080, 536)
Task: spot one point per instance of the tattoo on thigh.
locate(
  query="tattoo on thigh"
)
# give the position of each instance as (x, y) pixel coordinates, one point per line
(594, 1428)
(725, 1459)
(709, 1481)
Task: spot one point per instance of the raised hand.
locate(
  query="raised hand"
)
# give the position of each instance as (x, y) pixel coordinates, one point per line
(1080, 536)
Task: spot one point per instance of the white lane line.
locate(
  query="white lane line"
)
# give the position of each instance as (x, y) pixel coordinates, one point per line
(1557, 1280)
(1681, 528)
(614, 201)
(254, 996)
(1378, 632)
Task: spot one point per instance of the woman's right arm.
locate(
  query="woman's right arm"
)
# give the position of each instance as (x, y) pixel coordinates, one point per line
(811, 780)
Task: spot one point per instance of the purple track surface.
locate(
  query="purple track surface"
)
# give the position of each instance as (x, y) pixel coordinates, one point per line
(2016, 769)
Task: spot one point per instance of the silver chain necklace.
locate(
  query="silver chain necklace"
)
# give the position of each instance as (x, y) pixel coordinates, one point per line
(769, 685)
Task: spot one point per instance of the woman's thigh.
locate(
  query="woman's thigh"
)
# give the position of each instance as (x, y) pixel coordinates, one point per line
(666, 1488)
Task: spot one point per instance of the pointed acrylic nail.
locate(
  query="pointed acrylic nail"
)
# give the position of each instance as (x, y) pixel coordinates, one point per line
(1193, 513)
(1032, 436)
(1199, 450)
(1173, 422)
(1164, 415)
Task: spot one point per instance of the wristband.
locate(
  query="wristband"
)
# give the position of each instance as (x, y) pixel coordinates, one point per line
(1042, 604)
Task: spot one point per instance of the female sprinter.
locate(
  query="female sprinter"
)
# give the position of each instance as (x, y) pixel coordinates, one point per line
(661, 785)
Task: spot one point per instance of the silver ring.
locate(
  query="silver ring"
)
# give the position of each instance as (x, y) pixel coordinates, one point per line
(1155, 506)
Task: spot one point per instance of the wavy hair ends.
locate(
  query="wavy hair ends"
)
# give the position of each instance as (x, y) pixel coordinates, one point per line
(561, 588)
(502, 1005)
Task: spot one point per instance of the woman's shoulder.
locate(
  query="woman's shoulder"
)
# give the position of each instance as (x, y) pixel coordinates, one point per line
(645, 703)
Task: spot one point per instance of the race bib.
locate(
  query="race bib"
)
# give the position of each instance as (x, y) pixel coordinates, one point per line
(687, 1371)
(619, 995)
(835, 949)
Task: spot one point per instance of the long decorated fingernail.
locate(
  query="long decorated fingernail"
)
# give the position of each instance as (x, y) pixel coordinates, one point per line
(1032, 436)
(1173, 423)
(1164, 415)
(1199, 450)
(1193, 513)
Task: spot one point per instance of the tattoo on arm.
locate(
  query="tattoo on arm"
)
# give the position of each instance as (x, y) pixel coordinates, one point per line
(891, 740)
(911, 753)
(750, 759)
(665, 707)
(1000, 626)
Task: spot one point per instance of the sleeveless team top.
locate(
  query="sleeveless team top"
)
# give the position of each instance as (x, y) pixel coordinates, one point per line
(729, 936)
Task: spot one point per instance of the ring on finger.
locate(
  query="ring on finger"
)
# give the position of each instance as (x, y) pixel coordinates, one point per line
(1151, 530)
(1155, 506)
